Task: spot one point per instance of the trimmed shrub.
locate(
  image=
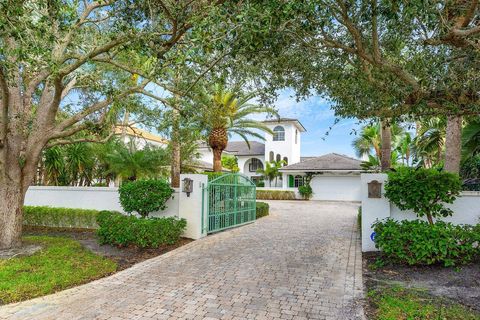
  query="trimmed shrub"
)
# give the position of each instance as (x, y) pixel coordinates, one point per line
(275, 195)
(425, 191)
(420, 243)
(39, 216)
(145, 196)
(263, 209)
(305, 191)
(121, 230)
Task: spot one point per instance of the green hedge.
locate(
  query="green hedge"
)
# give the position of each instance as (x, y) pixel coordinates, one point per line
(59, 217)
(118, 229)
(263, 209)
(275, 195)
(420, 243)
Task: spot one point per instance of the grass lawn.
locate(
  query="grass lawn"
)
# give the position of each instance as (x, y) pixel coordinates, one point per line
(403, 304)
(62, 263)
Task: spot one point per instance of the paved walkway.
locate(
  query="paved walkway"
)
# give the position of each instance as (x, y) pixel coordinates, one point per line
(301, 262)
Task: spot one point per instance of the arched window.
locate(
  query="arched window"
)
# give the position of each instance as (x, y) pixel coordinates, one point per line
(298, 181)
(279, 157)
(286, 160)
(278, 133)
(296, 136)
(271, 157)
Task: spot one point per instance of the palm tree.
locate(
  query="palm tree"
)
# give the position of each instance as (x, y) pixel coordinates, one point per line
(471, 138)
(129, 163)
(429, 143)
(226, 113)
(271, 171)
(369, 143)
(404, 147)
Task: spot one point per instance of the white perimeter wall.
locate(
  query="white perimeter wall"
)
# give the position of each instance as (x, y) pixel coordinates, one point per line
(466, 209)
(96, 198)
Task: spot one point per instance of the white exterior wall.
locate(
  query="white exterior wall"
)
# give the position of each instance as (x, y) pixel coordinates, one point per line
(287, 148)
(336, 188)
(141, 143)
(466, 209)
(96, 198)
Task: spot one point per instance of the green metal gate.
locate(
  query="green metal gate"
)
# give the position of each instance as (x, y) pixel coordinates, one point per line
(230, 202)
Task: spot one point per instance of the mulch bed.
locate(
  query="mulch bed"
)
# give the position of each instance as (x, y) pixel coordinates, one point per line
(125, 257)
(460, 284)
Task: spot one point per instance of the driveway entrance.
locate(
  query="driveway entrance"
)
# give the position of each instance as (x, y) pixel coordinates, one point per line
(301, 262)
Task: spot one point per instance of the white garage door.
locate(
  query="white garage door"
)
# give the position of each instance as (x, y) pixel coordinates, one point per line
(338, 188)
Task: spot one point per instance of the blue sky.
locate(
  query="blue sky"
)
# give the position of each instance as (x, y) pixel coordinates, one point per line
(316, 116)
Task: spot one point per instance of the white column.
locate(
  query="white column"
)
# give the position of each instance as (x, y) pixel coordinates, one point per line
(372, 209)
(190, 207)
(285, 180)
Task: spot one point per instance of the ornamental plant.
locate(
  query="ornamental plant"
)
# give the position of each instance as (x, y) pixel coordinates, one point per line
(305, 191)
(420, 243)
(145, 196)
(424, 191)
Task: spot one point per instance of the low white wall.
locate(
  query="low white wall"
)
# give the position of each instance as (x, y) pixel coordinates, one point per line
(466, 209)
(97, 198)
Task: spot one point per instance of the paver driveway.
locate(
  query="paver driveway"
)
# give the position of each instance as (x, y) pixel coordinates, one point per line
(301, 262)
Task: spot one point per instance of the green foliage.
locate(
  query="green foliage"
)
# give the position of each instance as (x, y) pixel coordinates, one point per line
(213, 175)
(275, 195)
(121, 230)
(470, 167)
(144, 196)
(263, 209)
(420, 243)
(400, 303)
(359, 220)
(60, 264)
(425, 191)
(305, 191)
(59, 217)
(271, 171)
(230, 163)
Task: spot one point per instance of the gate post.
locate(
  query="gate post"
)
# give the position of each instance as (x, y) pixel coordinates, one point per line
(190, 207)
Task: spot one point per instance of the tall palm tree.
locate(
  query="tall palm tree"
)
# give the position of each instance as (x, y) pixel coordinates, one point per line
(226, 113)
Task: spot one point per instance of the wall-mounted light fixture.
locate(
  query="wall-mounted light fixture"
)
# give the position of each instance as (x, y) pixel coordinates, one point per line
(187, 186)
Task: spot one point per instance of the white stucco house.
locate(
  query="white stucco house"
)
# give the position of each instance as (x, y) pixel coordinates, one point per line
(332, 176)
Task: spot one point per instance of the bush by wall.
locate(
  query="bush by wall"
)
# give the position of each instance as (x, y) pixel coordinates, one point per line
(213, 175)
(121, 230)
(263, 209)
(145, 196)
(305, 191)
(420, 243)
(38, 216)
(425, 191)
(275, 195)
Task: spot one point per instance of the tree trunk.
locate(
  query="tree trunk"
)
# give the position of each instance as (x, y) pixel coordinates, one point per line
(453, 144)
(217, 160)
(11, 215)
(176, 157)
(386, 152)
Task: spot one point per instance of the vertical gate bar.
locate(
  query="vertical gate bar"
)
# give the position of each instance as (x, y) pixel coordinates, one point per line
(203, 207)
(235, 199)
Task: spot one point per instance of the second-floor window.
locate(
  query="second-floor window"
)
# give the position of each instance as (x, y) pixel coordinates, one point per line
(278, 133)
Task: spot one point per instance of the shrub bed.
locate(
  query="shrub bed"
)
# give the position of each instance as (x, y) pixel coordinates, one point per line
(263, 209)
(121, 230)
(275, 195)
(38, 216)
(420, 243)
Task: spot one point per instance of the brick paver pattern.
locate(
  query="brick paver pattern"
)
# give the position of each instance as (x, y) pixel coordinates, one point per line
(301, 262)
